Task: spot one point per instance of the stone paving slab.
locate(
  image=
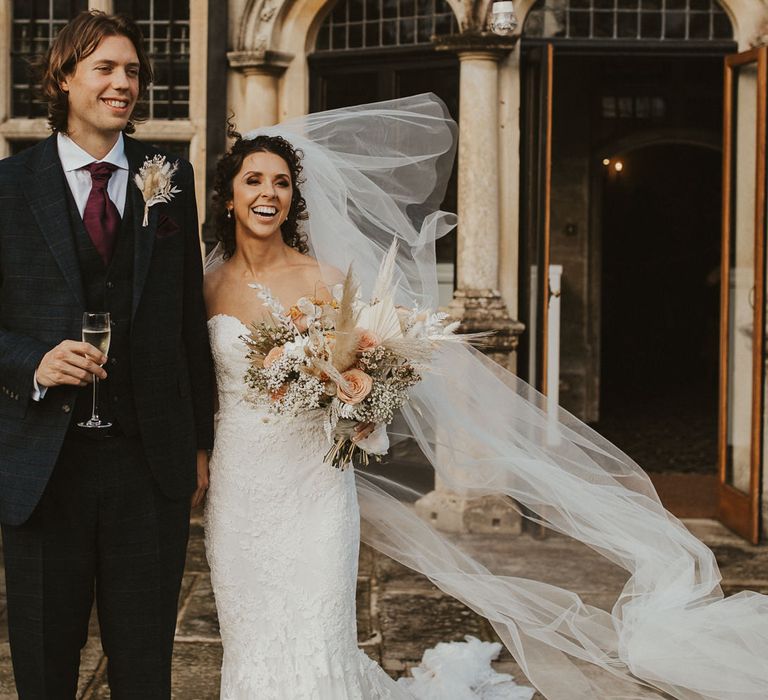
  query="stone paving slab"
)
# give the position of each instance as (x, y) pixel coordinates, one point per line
(400, 613)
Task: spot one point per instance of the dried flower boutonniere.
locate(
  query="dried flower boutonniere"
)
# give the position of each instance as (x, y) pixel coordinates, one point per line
(154, 179)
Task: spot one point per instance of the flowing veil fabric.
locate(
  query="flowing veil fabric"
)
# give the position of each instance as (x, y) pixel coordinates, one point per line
(378, 172)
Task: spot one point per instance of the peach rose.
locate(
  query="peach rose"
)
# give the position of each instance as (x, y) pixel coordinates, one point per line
(359, 385)
(366, 340)
(273, 356)
(299, 319)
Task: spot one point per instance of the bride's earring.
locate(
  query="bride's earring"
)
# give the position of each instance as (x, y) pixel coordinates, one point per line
(229, 213)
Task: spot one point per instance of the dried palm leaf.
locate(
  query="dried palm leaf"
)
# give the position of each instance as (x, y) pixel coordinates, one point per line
(415, 349)
(382, 289)
(345, 349)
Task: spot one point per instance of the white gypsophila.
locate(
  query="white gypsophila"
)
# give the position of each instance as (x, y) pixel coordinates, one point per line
(304, 393)
(155, 181)
(279, 373)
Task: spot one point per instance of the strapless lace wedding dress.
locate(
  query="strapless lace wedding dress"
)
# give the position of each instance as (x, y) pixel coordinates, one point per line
(282, 534)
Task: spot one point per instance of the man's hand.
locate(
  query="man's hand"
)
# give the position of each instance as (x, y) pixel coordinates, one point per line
(202, 478)
(71, 363)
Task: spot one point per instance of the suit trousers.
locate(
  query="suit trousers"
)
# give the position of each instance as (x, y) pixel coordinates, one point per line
(103, 527)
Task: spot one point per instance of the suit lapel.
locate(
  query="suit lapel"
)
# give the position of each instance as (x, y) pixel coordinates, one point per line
(144, 236)
(47, 198)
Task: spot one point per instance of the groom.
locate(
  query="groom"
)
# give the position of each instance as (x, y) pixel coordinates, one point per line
(101, 512)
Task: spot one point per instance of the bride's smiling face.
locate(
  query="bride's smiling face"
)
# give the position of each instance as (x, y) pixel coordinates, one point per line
(261, 195)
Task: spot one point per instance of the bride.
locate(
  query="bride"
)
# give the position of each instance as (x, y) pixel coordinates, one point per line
(297, 204)
(282, 529)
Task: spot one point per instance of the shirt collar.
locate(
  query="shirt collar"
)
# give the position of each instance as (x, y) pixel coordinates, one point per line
(73, 157)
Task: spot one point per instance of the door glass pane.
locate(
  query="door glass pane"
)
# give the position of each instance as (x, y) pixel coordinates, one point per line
(742, 278)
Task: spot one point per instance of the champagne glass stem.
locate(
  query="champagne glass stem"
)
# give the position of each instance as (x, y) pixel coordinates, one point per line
(95, 406)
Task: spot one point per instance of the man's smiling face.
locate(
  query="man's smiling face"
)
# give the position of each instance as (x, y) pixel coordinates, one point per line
(103, 88)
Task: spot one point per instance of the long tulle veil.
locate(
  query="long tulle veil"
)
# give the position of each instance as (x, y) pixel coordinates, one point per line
(378, 172)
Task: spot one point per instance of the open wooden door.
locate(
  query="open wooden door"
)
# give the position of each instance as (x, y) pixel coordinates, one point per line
(743, 300)
(535, 210)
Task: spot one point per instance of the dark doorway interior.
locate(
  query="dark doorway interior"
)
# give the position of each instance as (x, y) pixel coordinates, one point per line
(660, 307)
(342, 79)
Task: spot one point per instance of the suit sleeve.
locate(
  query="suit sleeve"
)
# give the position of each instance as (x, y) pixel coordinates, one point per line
(20, 356)
(195, 328)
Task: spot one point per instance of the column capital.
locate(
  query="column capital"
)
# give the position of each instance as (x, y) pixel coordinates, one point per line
(259, 61)
(476, 45)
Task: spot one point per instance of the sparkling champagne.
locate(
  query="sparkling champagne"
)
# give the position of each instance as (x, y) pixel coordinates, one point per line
(99, 339)
(97, 332)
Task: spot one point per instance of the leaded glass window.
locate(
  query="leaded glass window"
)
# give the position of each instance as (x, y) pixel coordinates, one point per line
(377, 24)
(175, 148)
(165, 26)
(654, 20)
(638, 107)
(34, 25)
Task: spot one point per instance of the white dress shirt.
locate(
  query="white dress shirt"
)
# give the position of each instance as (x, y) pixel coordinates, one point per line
(73, 161)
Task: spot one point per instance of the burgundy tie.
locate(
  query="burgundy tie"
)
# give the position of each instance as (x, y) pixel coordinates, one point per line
(101, 218)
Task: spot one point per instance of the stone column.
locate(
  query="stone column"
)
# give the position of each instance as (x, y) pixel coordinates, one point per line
(261, 71)
(477, 302)
(478, 194)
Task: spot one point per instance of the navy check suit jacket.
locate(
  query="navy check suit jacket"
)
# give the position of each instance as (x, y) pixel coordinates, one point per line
(42, 303)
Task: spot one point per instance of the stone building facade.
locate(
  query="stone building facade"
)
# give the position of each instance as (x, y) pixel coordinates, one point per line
(554, 124)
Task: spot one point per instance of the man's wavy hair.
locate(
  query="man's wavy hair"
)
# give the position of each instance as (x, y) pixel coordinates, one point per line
(229, 166)
(78, 40)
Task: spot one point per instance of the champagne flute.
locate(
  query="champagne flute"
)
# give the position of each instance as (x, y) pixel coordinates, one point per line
(97, 331)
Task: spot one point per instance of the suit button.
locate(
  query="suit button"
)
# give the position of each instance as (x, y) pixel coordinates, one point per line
(113, 361)
(110, 285)
(66, 408)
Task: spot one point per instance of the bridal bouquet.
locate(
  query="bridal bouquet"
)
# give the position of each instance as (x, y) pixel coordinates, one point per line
(354, 360)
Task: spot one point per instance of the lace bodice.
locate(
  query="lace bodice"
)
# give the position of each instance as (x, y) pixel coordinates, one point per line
(229, 356)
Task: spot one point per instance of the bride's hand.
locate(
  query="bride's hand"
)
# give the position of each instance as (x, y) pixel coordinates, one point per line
(362, 431)
(202, 478)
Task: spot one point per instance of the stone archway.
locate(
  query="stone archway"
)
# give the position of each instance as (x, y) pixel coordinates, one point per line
(652, 137)
(749, 19)
(273, 42)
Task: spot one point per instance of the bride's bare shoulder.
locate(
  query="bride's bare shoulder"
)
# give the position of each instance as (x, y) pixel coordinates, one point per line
(214, 286)
(212, 280)
(320, 274)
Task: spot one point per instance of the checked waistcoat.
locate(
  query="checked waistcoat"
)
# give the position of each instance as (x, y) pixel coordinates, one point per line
(109, 288)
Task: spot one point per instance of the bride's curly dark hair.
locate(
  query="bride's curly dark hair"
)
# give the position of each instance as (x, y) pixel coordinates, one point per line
(229, 166)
